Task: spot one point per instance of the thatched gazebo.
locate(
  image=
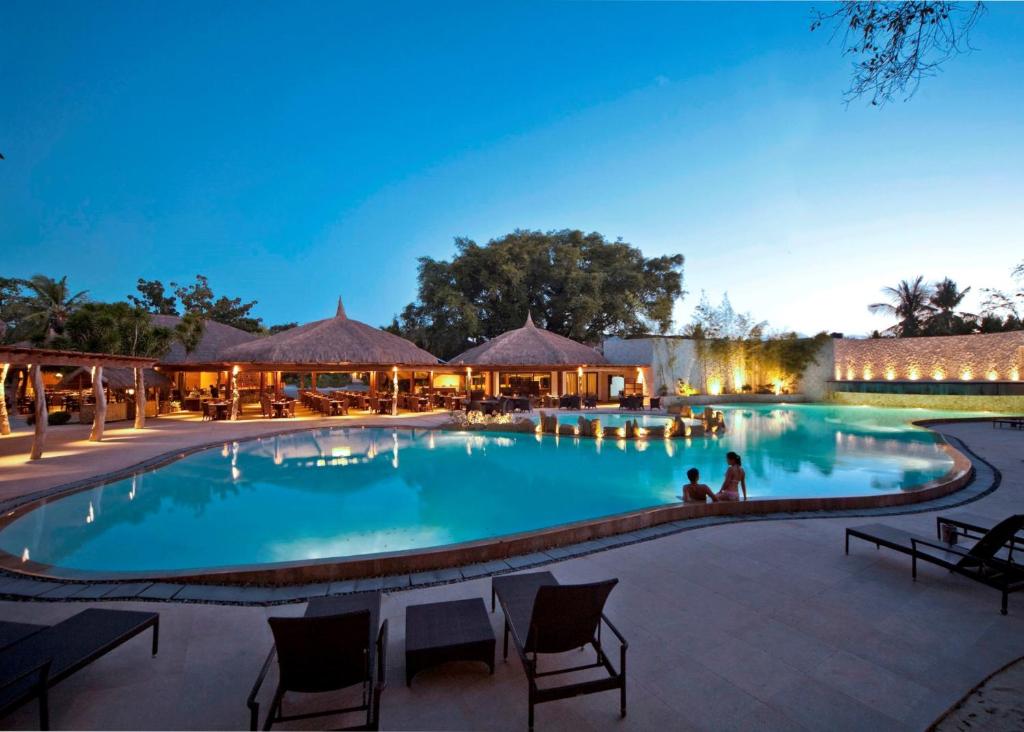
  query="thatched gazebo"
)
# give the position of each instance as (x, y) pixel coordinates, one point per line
(536, 361)
(335, 345)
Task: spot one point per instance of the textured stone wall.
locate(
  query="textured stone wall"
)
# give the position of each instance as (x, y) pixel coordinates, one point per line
(994, 356)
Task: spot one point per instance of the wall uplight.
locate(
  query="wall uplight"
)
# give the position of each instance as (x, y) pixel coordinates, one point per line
(938, 374)
(913, 374)
(992, 375)
(966, 375)
(1015, 374)
(890, 374)
(868, 373)
(714, 387)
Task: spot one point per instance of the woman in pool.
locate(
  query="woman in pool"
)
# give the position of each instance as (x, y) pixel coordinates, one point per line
(735, 479)
(694, 492)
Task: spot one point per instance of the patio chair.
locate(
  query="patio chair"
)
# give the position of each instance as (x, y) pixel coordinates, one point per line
(33, 658)
(545, 617)
(981, 562)
(321, 653)
(209, 412)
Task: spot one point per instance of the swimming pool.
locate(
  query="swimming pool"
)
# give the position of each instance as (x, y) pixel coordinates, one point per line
(350, 491)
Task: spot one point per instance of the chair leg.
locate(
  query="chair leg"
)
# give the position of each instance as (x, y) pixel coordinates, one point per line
(275, 708)
(44, 708)
(1006, 598)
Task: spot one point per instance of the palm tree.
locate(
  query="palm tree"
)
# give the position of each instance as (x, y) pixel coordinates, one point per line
(910, 302)
(49, 306)
(945, 299)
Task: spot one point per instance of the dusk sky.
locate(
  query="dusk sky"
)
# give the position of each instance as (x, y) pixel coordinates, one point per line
(297, 153)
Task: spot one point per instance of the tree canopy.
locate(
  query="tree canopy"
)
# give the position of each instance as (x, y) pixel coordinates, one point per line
(575, 284)
(118, 327)
(197, 299)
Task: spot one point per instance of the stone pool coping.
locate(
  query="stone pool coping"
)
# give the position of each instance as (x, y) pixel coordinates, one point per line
(395, 570)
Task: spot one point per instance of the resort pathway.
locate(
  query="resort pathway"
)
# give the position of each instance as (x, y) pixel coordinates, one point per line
(754, 625)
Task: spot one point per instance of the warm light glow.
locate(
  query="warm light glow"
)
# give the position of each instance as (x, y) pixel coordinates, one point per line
(343, 451)
(1014, 374)
(235, 370)
(839, 374)
(849, 373)
(639, 376)
(938, 375)
(579, 372)
(992, 375)
(913, 374)
(621, 432)
(24, 555)
(966, 375)
(890, 374)
(235, 473)
(867, 374)
(777, 384)
(737, 379)
(714, 387)
(91, 516)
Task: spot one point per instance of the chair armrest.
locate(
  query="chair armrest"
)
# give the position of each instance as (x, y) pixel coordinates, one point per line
(254, 706)
(951, 548)
(382, 655)
(622, 640)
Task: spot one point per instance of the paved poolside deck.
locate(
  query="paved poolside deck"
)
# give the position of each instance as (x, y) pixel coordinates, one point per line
(758, 625)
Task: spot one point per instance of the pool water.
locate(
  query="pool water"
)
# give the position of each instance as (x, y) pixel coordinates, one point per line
(350, 491)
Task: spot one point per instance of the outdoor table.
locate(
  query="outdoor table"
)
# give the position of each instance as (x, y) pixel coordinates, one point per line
(220, 410)
(489, 406)
(439, 632)
(279, 407)
(385, 405)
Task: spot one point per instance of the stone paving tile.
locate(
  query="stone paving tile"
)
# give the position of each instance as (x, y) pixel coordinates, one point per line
(367, 584)
(435, 576)
(160, 591)
(527, 560)
(127, 590)
(26, 587)
(341, 588)
(481, 570)
(562, 552)
(220, 593)
(62, 591)
(298, 592)
(395, 582)
(93, 592)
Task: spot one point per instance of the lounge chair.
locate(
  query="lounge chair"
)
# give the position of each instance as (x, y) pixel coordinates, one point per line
(981, 562)
(34, 658)
(545, 617)
(334, 646)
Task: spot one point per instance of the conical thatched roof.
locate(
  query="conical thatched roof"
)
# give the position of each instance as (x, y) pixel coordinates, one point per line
(337, 340)
(113, 378)
(217, 337)
(530, 346)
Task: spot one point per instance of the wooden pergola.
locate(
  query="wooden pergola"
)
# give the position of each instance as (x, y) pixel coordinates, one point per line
(36, 358)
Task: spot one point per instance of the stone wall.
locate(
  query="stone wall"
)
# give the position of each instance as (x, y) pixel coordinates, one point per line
(993, 356)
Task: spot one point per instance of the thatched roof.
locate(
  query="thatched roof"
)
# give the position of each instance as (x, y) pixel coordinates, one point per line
(217, 337)
(530, 346)
(337, 340)
(113, 378)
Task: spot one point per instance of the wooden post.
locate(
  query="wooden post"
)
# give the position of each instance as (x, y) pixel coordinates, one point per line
(39, 438)
(312, 382)
(99, 420)
(394, 392)
(233, 386)
(140, 399)
(5, 422)
(263, 383)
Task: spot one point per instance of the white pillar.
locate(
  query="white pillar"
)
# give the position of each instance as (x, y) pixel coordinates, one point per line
(39, 438)
(140, 399)
(233, 386)
(99, 419)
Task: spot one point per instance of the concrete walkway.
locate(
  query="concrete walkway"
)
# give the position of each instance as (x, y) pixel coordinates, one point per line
(760, 625)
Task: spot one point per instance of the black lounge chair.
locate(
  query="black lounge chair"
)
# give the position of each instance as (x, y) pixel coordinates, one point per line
(545, 617)
(981, 562)
(334, 646)
(34, 658)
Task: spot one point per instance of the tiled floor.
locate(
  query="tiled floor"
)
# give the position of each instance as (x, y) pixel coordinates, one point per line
(758, 625)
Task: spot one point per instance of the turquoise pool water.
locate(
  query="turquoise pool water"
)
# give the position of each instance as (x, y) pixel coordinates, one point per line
(350, 491)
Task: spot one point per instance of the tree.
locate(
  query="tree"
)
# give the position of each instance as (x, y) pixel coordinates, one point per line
(198, 298)
(910, 302)
(48, 305)
(154, 298)
(117, 328)
(1002, 310)
(946, 297)
(578, 285)
(12, 307)
(281, 327)
(897, 44)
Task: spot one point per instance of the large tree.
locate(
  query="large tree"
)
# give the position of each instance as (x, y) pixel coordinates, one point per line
(154, 298)
(945, 319)
(1002, 310)
(909, 302)
(579, 285)
(198, 298)
(47, 304)
(897, 44)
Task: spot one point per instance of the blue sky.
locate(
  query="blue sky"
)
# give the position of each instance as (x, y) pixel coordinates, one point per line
(294, 152)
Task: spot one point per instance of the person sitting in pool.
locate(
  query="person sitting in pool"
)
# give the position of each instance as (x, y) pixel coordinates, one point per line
(694, 492)
(735, 478)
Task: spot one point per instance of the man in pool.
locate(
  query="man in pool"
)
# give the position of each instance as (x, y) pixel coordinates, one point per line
(694, 492)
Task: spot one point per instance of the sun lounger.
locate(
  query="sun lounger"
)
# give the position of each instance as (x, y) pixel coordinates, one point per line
(973, 526)
(990, 561)
(334, 646)
(34, 658)
(1016, 423)
(545, 617)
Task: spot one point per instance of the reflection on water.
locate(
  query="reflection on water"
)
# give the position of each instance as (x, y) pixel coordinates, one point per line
(347, 491)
